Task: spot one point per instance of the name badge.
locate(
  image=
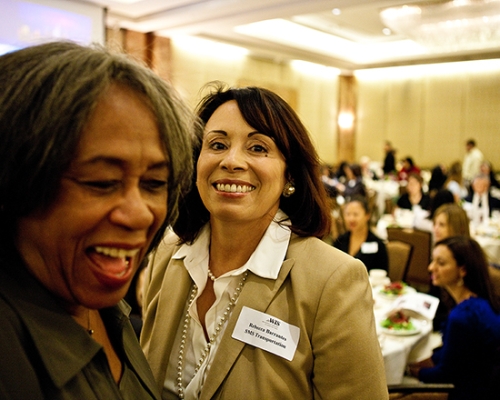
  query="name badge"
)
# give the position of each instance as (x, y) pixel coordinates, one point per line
(267, 333)
(369, 247)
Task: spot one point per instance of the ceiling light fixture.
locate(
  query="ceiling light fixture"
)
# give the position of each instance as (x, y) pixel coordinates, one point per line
(447, 26)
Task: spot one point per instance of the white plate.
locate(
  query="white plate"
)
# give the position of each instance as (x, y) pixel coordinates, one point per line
(403, 332)
(378, 290)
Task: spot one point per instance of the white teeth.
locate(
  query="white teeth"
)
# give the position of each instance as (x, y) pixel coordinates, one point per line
(115, 252)
(234, 188)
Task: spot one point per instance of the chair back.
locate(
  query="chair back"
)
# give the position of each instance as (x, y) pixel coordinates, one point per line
(417, 274)
(495, 279)
(399, 254)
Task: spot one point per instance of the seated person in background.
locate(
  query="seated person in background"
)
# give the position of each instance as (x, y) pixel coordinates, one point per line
(425, 221)
(359, 241)
(487, 169)
(438, 178)
(367, 172)
(472, 332)
(329, 182)
(450, 220)
(407, 169)
(480, 202)
(354, 182)
(414, 195)
(455, 182)
(339, 174)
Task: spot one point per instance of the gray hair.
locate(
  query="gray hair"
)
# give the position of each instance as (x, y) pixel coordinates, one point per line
(47, 94)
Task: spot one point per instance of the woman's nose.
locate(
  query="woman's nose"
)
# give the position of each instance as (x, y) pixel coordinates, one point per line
(234, 159)
(133, 211)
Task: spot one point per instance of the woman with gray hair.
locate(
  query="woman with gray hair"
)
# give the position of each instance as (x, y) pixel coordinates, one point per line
(96, 151)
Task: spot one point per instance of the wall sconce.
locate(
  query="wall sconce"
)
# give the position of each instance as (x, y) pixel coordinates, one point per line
(345, 120)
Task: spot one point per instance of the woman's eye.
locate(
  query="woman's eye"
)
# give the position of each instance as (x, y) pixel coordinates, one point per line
(258, 148)
(101, 185)
(154, 185)
(217, 146)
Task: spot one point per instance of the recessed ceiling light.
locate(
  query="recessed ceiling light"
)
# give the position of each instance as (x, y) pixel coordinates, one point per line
(386, 31)
(336, 11)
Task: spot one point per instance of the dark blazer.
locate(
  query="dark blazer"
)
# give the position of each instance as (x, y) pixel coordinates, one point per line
(404, 202)
(376, 260)
(493, 202)
(322, 291)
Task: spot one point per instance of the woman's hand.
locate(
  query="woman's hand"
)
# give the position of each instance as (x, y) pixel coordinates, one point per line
(413, 369)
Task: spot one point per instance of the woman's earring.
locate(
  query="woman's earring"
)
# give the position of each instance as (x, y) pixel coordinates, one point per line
(288, 190)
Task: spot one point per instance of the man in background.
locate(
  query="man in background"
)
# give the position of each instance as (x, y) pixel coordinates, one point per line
(472, 162)
(389, 166)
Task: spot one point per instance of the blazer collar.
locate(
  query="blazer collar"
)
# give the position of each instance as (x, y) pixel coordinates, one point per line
(170, 307)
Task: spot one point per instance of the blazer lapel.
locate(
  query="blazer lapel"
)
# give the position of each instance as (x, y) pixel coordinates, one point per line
(170, 307)
(257, 294)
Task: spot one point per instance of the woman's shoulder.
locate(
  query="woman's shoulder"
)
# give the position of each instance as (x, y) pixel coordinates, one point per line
(372, 237)
(474, 309)
(314, 254)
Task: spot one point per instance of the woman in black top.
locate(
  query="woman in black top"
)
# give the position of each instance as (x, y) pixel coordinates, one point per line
(414, 194)
(359, 241)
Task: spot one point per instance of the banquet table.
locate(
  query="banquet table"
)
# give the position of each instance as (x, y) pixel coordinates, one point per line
(488, 237)
(385, 189)
(397, 350)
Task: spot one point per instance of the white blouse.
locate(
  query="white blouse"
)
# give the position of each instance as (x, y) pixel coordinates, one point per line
(265, 262)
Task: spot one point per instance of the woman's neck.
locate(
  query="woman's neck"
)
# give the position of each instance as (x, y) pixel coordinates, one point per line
(415, 198)
(460, 293)
(360, 233)
(231, 245)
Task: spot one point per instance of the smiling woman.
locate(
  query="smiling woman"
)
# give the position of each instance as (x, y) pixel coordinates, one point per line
(96, 151)
(246, 291)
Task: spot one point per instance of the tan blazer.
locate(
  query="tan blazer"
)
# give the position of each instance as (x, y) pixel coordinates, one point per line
(323, 291)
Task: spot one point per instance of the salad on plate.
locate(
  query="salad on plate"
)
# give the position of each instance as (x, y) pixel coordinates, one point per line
(398, 323)
(395, 289)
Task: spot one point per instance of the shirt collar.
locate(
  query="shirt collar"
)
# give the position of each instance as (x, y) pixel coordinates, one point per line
(265, 261)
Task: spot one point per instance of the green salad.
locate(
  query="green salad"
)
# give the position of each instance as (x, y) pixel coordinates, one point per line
(394, 289)
(398, 322)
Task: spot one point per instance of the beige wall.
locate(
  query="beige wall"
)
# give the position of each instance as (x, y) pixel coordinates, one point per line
(424, 113)
(313, 98)
(429, 115)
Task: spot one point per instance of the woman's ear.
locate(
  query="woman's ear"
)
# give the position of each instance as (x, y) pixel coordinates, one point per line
(462, 271)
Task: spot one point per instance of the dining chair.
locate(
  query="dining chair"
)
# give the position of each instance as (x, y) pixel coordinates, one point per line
(417, 274)
(420, 391)
(399, 254)
(495, 278)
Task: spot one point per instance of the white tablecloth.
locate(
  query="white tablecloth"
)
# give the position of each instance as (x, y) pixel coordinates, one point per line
(399, 350)
(491, 247)
(488, 237)
(386, 189)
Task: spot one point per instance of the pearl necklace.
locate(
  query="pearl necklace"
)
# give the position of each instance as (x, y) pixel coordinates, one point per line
(212, 340)
(211, 276)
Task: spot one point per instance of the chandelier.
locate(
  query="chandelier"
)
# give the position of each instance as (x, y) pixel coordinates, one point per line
(449, 25)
